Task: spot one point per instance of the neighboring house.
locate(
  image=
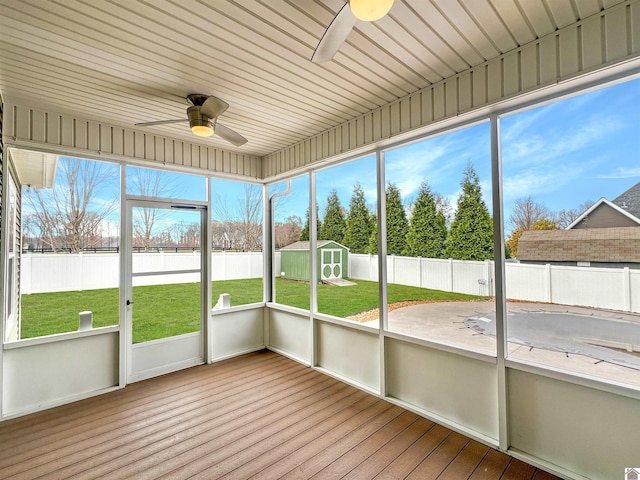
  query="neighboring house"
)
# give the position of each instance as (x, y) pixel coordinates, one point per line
(624, 211)
(605, 235)
(333, 260)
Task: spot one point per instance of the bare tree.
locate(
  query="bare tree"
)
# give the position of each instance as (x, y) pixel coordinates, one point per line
(288, 232)
(242, 219)
(148, 183)
(68, 216)
(567, 217)
(443, 205)
(526, 212)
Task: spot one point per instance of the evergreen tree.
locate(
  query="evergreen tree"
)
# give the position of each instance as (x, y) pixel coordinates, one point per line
(358, 223)
(397, 225)
(304, 234)
(427, 229)
(471, 233)
(373, 238)
(333, 223)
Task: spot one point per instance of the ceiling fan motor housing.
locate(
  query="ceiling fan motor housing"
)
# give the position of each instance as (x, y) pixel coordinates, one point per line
(196, 118)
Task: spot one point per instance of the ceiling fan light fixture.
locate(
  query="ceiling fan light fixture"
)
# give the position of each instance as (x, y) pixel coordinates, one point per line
(370, 10)
(202, 130)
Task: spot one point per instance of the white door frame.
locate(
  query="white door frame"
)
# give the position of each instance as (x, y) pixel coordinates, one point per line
(157, 357)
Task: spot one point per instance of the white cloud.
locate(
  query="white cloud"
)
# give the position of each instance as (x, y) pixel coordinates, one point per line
(622, 172)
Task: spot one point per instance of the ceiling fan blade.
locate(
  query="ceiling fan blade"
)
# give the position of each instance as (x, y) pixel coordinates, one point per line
(229, 135)
(213, 107)
(161, 122)
(335, 35)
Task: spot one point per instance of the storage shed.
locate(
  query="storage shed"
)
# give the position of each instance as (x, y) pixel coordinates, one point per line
(333, 260)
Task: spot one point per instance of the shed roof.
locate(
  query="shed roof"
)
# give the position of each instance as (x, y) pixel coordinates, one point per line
(618, 244)
(306, 245)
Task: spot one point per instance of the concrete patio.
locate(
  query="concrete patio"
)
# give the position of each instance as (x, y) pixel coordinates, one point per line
(443, 322)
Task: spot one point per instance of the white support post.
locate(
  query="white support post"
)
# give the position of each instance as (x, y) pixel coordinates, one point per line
(313, 266)
(382, 271)
(500, 287)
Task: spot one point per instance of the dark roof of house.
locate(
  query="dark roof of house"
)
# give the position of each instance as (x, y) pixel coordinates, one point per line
(629, 201)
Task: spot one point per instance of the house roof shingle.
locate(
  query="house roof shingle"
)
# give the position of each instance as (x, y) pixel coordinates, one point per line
(617, 244)
(630, 200)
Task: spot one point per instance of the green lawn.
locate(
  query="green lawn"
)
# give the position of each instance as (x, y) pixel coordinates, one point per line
(166, 310)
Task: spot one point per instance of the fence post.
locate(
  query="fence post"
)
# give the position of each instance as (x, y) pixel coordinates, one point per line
(547, 279)
(450, 274)
(371, 267)
(420, 272)
(393, 270)
(489, 277)
(626, 289)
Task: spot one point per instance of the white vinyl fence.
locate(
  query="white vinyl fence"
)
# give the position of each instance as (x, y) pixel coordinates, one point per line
(40, 273)
(613, 288)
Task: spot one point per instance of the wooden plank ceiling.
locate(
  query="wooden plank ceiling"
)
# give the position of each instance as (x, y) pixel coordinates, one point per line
(123, 61)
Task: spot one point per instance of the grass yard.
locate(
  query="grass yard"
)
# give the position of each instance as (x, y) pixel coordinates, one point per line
(166, 310)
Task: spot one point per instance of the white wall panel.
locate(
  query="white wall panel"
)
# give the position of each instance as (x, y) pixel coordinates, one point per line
(591, 42)
(459, 389)
(157, 357)
(349, 353)
(587, 431)
(235, 332)
(47, 374)
(290, 334)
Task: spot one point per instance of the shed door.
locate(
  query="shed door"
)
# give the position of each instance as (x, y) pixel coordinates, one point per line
(331, 263)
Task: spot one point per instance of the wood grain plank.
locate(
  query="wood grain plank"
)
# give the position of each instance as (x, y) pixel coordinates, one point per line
(365, 449)
(435, 463)
(321, 443)
(465, 462)
(387, 453)
(518, 470)
(492, 466)
(415, 454)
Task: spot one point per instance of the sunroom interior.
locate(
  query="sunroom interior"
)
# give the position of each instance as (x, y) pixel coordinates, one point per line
(77, 77)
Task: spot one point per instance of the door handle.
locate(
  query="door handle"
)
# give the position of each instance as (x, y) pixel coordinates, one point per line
(129, 302)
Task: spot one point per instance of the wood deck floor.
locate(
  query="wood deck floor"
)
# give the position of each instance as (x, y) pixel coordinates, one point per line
(256, 416)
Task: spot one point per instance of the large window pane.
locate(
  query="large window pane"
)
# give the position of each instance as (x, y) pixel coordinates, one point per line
(71, 239)
(439, 237)
(236, 242)
(572, 215)
(291, 268)
(347, 272)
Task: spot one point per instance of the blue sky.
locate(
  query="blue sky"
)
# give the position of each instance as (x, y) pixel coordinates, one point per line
(562, 154)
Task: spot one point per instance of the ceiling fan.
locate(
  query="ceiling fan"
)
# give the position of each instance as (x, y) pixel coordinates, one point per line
(343, 23)
(202, 116)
